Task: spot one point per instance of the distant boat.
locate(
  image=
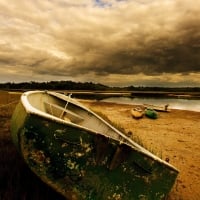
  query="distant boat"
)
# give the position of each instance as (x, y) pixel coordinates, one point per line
(158, 108)
(137, 112)
(151, 113)
(82, 156)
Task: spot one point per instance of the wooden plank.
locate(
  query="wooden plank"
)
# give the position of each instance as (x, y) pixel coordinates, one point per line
(63, 113)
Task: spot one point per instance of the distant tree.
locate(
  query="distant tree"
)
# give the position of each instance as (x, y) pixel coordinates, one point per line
(70, 85)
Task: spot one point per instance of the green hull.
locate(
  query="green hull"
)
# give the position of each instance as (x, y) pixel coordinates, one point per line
(80, 164)
(151, 113)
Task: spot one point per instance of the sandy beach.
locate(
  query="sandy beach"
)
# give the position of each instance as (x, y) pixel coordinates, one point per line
(174, 135)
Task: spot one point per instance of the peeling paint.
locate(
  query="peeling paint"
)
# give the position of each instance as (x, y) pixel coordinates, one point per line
(78, 154)
(72, 165)
(142, 197)
(37, 156)
(64, 145)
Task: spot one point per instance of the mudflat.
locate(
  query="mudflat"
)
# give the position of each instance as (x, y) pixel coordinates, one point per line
(174, 136)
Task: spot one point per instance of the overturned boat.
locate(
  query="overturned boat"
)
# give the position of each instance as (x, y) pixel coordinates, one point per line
(82, 156)
(158, 108)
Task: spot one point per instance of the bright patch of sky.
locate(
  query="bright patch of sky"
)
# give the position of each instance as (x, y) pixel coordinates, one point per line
(102, 3)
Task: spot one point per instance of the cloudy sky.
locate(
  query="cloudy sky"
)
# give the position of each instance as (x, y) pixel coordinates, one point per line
(113, 42)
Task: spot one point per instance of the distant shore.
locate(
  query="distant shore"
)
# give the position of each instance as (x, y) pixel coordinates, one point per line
(95, 94)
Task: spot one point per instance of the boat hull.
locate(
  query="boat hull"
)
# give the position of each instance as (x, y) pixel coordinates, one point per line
(158, 108)
(137, 113)
(150, 113)
(81, 164)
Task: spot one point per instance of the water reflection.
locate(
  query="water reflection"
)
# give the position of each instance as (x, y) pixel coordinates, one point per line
(183, 104)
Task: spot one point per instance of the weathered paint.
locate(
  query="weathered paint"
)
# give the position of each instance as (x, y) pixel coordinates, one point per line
(81, 164)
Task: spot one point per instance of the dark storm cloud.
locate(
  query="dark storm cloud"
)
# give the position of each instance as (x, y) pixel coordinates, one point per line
(178, 53)
(105, 48)
(61, 38)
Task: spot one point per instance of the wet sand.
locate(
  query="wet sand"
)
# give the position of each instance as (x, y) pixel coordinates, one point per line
(174, 135)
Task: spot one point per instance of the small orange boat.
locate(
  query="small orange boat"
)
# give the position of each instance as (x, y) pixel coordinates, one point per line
(137, 112)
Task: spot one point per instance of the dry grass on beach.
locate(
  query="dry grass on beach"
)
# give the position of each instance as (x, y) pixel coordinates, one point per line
(174, 135)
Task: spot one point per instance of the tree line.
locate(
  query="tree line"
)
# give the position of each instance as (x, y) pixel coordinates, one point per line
(70, 85)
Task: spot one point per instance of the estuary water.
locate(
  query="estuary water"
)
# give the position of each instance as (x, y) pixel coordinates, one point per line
(174, 103)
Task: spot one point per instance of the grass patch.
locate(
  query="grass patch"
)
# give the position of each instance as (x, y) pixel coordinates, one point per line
(135, 138)
(8, 101)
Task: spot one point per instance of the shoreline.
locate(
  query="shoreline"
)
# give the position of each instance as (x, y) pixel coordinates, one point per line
(135, 104)
(123, 93)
